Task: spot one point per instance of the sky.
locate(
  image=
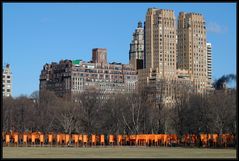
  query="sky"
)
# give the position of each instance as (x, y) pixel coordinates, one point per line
(38, 33)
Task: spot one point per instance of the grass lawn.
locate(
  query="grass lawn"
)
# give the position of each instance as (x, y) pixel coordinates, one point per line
(116, 152)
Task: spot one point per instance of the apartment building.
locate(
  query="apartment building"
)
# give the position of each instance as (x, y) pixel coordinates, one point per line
(7, 81)
(192, 49)
(160, 46)
(209, 63)
(175, 54)
(162, 57)
(160, 54)
(75, 76)
(160, 42)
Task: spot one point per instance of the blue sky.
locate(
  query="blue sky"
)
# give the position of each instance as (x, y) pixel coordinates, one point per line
(39, 33)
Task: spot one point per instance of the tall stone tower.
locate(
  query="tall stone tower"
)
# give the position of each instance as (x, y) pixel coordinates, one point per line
(160, 55)
(192, 48)
(160, 42)
(136, 52)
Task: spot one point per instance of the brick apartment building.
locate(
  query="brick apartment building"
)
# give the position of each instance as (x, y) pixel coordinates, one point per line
(75, 76)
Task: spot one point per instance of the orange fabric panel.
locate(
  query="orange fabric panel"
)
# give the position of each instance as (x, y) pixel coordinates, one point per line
(111, 138)
(132, 137)
(160, 137)
(203, 137)
(67, 138)
(35, 135)
(25, 138)
(7, 139)
(156, 137)
(58, 138)
(215, 137)
(16, 138)
(137, 138)
(76, 138)
(41, 138)
(85, 139)
(146, 138)
(102, 138)
(141, 137)
(93, 138)
(33, 138)
(50, 138)
(165, 137)
(80, 137)
(119, 138)
(174, 137)
(151, 136)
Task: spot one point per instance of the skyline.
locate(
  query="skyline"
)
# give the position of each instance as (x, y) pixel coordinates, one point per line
(53, 29)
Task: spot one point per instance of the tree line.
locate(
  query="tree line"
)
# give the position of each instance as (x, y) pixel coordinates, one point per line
(134, 113)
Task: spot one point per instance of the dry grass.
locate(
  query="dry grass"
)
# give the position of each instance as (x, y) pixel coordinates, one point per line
(116, 152)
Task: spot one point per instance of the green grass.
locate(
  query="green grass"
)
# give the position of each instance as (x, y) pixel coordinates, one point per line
(116, 152)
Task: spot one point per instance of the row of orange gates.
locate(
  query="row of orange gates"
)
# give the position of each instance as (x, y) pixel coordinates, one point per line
(38, 138)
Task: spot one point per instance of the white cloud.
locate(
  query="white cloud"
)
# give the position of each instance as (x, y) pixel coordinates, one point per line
(216, 28)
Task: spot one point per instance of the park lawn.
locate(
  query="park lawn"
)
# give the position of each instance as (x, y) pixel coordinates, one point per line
(116, 152)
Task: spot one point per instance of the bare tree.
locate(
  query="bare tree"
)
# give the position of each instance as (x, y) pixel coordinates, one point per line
(66, 116)
(8, 108)
(46, 110)
(223, 107)
(109, 115)
(89, 106)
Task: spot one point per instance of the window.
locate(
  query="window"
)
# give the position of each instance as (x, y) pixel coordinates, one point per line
(8, 81)
(8, 90)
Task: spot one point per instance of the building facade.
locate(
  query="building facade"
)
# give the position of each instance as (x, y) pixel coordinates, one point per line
(136, 52)
(76, 76)
(7, 81)
(57, 77)
(160, 72)
(160, 42)
(175, 54)
(162, 57)
(99, 55)
(209, 63)
(192, 49)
